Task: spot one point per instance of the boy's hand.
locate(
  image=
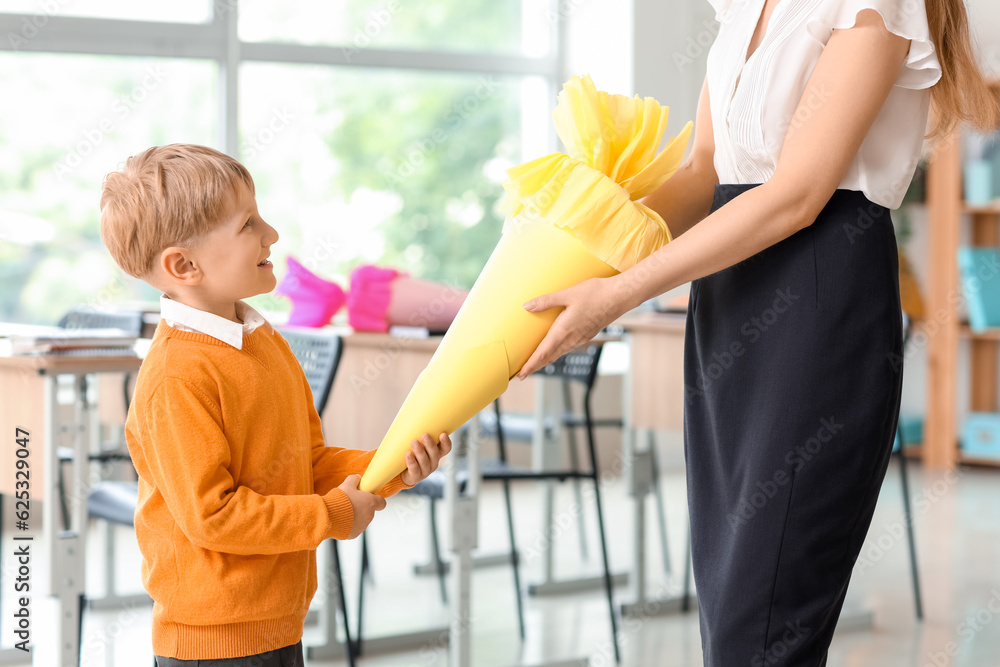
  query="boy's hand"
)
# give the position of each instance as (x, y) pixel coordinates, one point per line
(365, 504)
(423, 458)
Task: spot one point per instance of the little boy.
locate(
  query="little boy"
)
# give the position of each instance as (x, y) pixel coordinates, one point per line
(236, 486)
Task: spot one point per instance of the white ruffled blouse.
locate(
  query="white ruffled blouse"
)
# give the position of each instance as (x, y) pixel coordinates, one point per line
(753, 103)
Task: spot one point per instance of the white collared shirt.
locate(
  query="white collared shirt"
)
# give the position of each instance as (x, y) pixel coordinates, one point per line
(185, 318)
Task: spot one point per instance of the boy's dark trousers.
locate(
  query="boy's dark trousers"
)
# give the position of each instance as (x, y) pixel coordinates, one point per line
(289, 656)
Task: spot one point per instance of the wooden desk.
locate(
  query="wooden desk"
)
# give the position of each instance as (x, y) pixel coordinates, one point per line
(28, 386)
(656, 370)
(375, 375)
(22, 386)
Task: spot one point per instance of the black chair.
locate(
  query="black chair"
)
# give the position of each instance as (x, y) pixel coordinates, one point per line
(578, 366)
(319, 352)
(915, 574)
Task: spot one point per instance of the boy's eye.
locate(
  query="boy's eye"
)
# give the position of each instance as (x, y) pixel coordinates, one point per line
(247, 224)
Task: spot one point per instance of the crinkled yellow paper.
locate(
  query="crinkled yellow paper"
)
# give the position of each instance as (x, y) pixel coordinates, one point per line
(611, 142)
(570, 218)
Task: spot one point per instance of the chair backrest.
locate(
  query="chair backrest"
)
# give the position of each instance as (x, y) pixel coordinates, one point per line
(318, 351)
(129, 321)
(580, 365)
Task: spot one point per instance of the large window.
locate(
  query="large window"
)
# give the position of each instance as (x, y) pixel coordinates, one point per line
(72, 119)
(375, 131)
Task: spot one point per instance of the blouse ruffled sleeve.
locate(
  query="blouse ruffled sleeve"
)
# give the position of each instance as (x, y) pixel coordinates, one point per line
(721, 8)
(906, 18)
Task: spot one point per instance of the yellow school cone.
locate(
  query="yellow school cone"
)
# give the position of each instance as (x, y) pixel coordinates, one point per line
(570, 218)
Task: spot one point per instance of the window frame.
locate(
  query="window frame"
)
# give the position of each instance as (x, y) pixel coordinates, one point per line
(218, 40)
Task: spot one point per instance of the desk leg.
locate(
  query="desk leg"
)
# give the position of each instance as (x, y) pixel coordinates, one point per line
(463, 515)
(542, 456)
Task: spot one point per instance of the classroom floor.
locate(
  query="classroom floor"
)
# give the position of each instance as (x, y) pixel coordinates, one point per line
(957, 519)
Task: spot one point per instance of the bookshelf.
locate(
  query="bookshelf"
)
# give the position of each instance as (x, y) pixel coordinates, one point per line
(944, 331)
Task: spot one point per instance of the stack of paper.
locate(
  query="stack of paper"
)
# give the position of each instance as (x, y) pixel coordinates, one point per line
(31, 339)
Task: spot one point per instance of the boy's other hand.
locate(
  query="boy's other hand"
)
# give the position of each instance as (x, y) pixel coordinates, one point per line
(424, 457)
(365, 504)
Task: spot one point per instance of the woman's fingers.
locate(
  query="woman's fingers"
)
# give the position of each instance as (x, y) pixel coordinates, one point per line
(560, 339)
(545, 301)
(589, 307)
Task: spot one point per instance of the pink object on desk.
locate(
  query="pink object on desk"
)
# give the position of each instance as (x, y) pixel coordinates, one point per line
(369, 297)
(314, 300)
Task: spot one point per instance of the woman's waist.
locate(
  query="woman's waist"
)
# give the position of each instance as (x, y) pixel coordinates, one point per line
(847, 207)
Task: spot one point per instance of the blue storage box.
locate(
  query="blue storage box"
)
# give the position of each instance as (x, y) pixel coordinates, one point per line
(981, 436)
(981, 285)
(912, 427)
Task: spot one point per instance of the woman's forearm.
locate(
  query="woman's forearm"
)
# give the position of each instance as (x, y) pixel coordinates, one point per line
(756, 219)
(685, 199)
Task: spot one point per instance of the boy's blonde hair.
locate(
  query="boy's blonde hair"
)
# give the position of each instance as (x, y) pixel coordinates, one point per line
(165, 196)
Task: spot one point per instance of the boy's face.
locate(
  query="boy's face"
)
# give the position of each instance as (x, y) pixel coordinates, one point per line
(233, 256)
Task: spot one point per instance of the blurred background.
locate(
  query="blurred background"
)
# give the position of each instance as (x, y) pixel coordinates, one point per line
(379, 131)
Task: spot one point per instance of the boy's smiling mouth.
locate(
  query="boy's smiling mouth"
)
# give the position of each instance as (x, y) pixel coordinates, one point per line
(265, 263)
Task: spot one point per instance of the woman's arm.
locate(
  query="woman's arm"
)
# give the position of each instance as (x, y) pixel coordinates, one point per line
(844, 95)
(686, 198)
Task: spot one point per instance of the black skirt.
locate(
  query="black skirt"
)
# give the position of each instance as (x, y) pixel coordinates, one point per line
(793, 377)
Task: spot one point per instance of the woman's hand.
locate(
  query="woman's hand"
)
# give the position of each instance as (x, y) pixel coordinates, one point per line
(424, 457)
(590, 306)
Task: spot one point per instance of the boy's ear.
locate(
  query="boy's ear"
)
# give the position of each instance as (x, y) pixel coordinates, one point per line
(177, 265)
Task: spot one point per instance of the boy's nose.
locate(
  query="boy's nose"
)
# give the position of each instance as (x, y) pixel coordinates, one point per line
(271, 237)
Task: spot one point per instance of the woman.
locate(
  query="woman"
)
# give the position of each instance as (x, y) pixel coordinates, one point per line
(809, 128)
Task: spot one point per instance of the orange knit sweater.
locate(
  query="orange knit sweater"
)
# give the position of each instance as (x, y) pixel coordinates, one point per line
(236, 491)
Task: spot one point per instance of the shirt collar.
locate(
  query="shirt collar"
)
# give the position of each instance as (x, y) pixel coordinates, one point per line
(186, 318)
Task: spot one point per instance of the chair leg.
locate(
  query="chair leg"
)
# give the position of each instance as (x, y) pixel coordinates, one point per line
(436, 548)
(361, 592)
(514, 559)
(366, 565)
(502, 450)
(600, 525)
(909, 531)
(350, 650)
(574, 461)
(661, 510)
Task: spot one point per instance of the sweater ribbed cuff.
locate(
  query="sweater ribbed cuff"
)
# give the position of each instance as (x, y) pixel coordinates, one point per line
(341, 512)
(393, 486)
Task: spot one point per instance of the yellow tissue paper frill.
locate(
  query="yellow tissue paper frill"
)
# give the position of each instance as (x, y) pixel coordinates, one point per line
(612, 162)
